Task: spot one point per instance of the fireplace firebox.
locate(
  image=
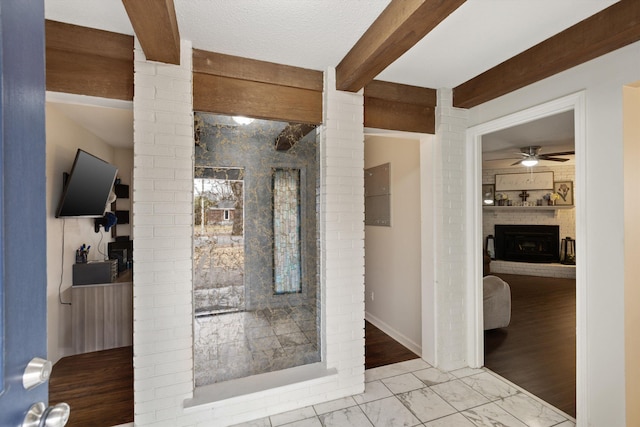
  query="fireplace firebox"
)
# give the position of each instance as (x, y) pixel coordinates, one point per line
(528, 243)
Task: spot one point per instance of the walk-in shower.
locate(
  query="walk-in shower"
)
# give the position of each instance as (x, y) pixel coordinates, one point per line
(256, 292)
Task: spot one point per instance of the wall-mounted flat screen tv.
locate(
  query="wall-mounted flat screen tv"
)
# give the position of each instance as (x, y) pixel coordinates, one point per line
(87, 187)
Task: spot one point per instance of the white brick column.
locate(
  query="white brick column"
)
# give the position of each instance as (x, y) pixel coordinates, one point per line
(342, 232)
(162, 225)
(450, 233)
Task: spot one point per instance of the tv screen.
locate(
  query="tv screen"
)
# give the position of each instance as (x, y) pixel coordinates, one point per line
(86, 190)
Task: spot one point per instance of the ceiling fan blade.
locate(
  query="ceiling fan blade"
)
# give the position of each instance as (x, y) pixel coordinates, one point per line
(553, 159)
(504, 158)
(517, 163)
(563, 153)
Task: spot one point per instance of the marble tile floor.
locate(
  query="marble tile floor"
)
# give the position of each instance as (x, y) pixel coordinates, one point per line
(413, 393)
(245, 343)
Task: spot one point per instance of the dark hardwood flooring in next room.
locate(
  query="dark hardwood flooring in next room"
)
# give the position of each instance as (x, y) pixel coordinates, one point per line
(99, 385)
(380, 349)
(537, 351)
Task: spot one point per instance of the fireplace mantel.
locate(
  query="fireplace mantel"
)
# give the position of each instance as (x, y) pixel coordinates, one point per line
(527, 208)
(552, 209)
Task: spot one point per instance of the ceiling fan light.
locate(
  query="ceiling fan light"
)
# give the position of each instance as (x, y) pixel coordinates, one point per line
(529, 162)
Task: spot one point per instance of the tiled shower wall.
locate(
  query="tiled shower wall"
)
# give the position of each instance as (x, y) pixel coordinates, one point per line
(565, 218)
(252, 147)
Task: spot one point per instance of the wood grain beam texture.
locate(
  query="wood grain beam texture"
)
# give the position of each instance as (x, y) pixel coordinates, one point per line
(87, 61)
(606, 31)
(395, 106)
(232, 85)
(398, 28)
(156, 26)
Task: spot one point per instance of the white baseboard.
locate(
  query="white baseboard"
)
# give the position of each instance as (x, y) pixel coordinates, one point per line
(402, 339)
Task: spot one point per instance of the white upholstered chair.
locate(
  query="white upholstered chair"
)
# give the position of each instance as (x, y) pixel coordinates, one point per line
(496, 302)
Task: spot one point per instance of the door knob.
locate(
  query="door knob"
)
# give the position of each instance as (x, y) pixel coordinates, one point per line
(37, 372)
(41, 416)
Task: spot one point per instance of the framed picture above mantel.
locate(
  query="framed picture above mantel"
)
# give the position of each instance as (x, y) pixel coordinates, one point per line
(524, 181)
(564, 189)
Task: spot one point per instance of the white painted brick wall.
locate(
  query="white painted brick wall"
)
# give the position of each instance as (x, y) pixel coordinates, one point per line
(342, 233)
(450, 286)
(163, 168)
(162, 221)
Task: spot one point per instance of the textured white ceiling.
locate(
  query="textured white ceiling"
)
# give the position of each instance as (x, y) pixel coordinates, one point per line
(317, 34)
(108, 15)
(306, 33)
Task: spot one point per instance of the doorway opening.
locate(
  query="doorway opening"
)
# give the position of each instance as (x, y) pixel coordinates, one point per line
(486, 139)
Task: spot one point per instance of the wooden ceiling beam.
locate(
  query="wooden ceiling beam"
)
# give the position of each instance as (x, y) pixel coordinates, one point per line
(401, 107)
(224, 95)
(398, 28)
(156, 26)
(219, 64)
(87, 61)
(225, 84)
(606, 31)
(401, 93)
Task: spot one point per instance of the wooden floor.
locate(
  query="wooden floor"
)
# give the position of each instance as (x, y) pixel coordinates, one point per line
(537, 351)
(98, 386)
(380, 349)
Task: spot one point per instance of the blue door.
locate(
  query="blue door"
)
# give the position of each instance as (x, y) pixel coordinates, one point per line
(23, 278)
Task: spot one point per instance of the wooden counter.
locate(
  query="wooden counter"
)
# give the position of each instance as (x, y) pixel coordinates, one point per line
(102, 315)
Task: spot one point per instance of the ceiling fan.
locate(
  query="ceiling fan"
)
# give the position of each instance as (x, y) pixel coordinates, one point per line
(531, 156)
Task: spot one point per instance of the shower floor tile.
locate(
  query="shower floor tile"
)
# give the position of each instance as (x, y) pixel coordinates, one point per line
(240, 344)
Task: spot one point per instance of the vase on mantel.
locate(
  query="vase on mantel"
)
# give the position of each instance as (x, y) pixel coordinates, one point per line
(551, 202)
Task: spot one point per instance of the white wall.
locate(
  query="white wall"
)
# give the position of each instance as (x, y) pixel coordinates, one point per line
(600, 231)
(392, 264)
(64, 137)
